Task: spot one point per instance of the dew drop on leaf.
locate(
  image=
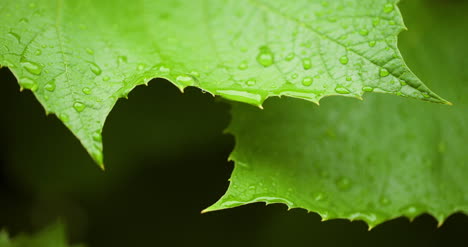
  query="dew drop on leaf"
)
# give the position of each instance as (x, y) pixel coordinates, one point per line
(243, 65)
(372, 43)
(388, 8)
(367, 89)
(364, 32)
(383, 72)
(344, 60)
(307, 81)
(32, 67)
(79, 107)
(64, 117)
(16, 36)
(265, 57)
(50, 86)
(306, 63)
(341, 90)
(184, 79)
(343, 183)
(97, 137)
(86, 90)
(28, 83)
(376, 21)
(140, 67)
(319, 196)
(384, 201)
(410, 210)
(164, 69)
(95, 68)
(290, 56)
(250, 82)
(121, 60)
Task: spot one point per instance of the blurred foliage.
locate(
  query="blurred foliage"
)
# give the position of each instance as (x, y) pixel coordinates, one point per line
(52, 236)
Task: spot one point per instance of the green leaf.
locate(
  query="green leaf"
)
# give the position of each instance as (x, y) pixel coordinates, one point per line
(374, 160)
(52, 236)
(79, 57)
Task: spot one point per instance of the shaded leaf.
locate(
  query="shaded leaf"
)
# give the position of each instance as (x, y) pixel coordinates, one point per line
(374, 160)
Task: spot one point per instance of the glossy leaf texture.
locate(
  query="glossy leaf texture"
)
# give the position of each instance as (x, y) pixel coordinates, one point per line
(52, 236)
(79, 57)
(375, 160)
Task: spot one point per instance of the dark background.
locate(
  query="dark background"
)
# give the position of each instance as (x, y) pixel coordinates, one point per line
(166, 161)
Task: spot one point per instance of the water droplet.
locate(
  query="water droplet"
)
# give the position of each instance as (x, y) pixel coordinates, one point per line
(364, 32)
(392, 23)
(16, 36)
(79, 107)
(307, 81)
(411, 210)
(384, 201)
(28, 83)
(64, 117)
(164, 69)
(319, 196)
(388, 8)
(89, 51)
(341, 90)
(185, 79)
(250, 82)
(372, 43)
(50, 86)
(38, 52)
(306, 63)
(243, 65)
(383, 72)
(106, 78)
(294, 75)
(367, 89)
(252, 187)
(265, 57)
(195, 73)
(121, 60)
(86, 90)
(343, 183)
(376, 21)
(95, 68)
(349, 78)
(344, 60)
(24, 20)
(425, 95)
(32, 67)
(290, 56)
(141, 67)
(97, 137)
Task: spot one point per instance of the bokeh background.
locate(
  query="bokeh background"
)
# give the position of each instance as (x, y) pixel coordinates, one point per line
(166, 159)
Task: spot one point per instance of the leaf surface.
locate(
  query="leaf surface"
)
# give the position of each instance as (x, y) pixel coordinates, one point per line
(79, 57)
(375, 160)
